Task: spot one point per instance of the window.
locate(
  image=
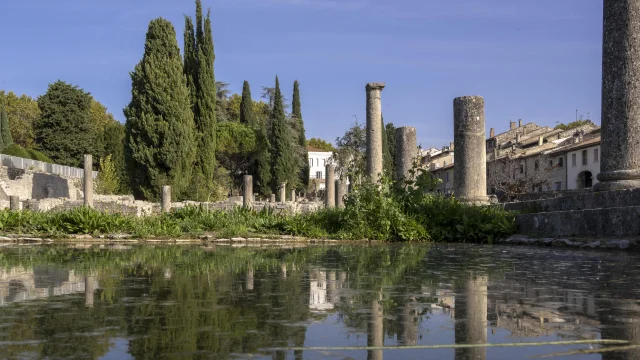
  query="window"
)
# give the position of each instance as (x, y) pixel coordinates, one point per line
(537, 165)
(596, 155)
(318, 174)
(557, 185)
(573, 160)
(561, 162)
(311, 162)
(550, 163)
(584, 157)
(521, 169)
(447, 176)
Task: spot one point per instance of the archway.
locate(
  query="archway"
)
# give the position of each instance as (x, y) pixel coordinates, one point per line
(585, 180)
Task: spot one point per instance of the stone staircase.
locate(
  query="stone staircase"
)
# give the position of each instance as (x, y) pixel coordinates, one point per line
(594, 214)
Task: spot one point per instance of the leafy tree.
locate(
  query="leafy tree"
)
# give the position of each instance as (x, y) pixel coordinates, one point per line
(296, 113)
(4, 127)
(22, 112)
(236, 144)
(247, 115)
(321, 144)
(232, 108)
(160, 141)
(108, 182)
(282, 159)
(65, 130)
(113, 140)
(387, 161)
(350, 155)
(574, 124)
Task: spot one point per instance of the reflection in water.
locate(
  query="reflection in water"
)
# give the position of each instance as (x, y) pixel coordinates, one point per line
(224, 302)
(471, 316)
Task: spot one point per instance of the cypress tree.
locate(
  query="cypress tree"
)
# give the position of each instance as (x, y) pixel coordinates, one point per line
(262, 164)
(386, 152)
(190, 58)
(282, 160)
(160, 141)
(296, 112)
(247, 116)
(390, 130)
(204, 110)
(3, 116)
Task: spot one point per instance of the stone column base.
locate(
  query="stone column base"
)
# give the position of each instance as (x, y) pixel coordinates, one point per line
(618, 180)
(476, 201)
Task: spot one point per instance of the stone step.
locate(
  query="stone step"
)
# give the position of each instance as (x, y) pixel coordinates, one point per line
(603, 222)
(583, 201)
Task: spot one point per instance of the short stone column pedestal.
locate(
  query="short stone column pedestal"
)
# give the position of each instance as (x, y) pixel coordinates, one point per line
(272, 199)
(374, 131)
(247, 191)
(406, 151)
(293, 195)
(341, 192)
(282, 192)
(620, 144)
(14, 203)
(166, 199)
(329, 187)
(470, 169)
(88, 181)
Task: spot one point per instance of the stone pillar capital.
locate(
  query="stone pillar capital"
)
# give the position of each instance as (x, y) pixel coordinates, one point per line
(375, 86)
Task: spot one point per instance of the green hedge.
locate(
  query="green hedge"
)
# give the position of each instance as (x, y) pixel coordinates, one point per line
(19, 151)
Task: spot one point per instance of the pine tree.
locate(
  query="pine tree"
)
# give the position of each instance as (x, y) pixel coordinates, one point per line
(296, 112)
(247, 116)
(160, 142)
(204, 110)
(64, 131)
(390, 130)
(282, 160)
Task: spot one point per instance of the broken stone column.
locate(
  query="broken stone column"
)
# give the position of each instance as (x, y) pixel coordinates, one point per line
(166, 199)
(293, 195)
(14, 203)
(374, 131)
(329, 187)
(470, 170)
(88, 181)
(282, 192)
(406, 150)
(341, 192)
(272, 199)
(620, 145)
(247, 191)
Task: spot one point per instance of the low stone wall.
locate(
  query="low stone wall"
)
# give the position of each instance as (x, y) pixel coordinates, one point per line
(580, 201)
(550, 194)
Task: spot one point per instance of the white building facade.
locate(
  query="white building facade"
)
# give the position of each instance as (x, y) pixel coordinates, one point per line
(583, 166)
(317, 162)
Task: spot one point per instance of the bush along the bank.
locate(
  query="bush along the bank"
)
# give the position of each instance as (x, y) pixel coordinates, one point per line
(372, 211)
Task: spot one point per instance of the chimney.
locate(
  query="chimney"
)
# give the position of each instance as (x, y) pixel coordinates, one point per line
(492, 133)
(540, 141)
(495, 153)
(524, 131)
(519, 122)
(450, 146)
(512, 125)
(517, 138)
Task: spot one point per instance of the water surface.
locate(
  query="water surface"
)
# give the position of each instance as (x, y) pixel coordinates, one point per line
(190, 302)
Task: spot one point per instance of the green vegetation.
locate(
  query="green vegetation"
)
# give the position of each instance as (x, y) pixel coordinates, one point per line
(108, 182)
(282, 160)
(390, 132)
(5, 131)
(321, 144)
(64, 131)
(160, 143)
(296, 114)
(574, 124)
(18, 151)
(247, 115)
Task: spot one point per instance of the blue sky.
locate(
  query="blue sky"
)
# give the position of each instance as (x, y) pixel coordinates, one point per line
(538, 60)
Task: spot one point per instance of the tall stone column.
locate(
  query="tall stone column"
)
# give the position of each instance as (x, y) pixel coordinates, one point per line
(293, 195)
(166, 199)
(247, 191)
(329, 187)
(88, 181)
(620, 145)
(341, 192)
(470, 169)
(406, 151)
(14, 203)
(282, 192)
(374, 131)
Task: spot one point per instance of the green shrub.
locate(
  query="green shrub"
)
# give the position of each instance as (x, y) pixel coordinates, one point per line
(18, 151)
